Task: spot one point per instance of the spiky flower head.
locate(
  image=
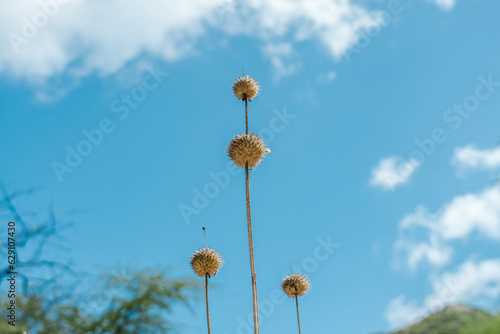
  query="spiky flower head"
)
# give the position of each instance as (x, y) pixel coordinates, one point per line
(247, 148)
(245, 88)
(295, 285)
(206, 261)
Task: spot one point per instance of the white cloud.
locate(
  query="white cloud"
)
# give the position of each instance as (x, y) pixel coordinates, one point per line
(392, 172)
(471, 212)
(399, 312)
(76, 38)
(473, 282)
(456, 220)
(280, 55)
(102, 36)
(433, 251)
(444, 4)
(337, 24)
(469, 157)
(82, 37)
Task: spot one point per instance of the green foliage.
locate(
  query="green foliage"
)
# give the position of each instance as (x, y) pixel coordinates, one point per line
(23, 307)
(489, 327)
(134, 304)
(469, 321)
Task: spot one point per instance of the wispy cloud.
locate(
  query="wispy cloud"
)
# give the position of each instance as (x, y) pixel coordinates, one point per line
(281, 57)
(76, 38)
(469, 157)
(457, 220)
(475, 282)
(392, 172)
(444, 4)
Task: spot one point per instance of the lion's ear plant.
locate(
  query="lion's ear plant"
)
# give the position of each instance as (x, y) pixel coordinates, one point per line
(206, 262)
(295, 285)
(247, 151)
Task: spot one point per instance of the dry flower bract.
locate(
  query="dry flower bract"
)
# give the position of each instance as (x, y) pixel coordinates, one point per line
(206, 261)
(246, 148)
(295, 285)
(245, 88)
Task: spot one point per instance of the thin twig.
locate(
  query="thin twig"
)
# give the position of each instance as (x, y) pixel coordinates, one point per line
(250, 239)
(252, 262)
(246, 114)
(205, 232)
(206, 295)
(298, 316)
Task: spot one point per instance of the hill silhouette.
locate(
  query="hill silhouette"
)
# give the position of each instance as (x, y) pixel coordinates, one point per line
(457, 319)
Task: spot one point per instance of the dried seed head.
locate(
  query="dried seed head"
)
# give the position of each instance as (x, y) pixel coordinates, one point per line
(206, 261)
(295, 285)
(247, 148)
(245, 88)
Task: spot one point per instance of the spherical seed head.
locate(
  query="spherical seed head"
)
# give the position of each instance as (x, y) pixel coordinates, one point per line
(245, 88)
(295, 285)
(206, 261)
(247, 148)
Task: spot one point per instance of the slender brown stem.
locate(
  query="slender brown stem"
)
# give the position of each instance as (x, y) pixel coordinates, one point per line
(246, 114)
(206, 295)
(298, 317)
(252, 264)
(205, 232)
(250, 239)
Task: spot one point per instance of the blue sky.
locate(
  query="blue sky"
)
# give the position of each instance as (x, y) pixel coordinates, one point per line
(382, 119)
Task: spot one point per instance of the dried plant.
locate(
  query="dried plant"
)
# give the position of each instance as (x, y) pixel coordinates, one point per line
(247, 151)
(245, 88)
(206, 262)
(296, 285)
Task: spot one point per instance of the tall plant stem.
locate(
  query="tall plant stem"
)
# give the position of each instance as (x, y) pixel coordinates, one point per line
(252, 263)
(250, 240)
(246, 114)
(298, 316)
(206, 295)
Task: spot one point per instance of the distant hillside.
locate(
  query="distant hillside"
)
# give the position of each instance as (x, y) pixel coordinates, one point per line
(457, 319)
